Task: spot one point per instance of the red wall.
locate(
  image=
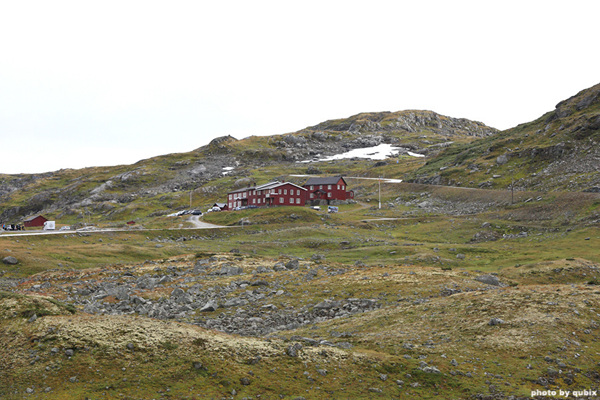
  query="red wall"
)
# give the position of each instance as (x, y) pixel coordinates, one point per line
(336, 194)
(37, 221)
(266, 197)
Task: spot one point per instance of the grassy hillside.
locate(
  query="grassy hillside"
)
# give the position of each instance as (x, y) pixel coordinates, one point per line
(558, 151)
(416, 264)
(450, 292)
(161, 185)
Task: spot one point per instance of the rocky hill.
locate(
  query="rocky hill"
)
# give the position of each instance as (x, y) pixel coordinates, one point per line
(558, 151)
(155, 186)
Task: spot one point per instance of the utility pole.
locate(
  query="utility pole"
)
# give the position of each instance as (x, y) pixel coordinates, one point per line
(512, 187)
(379, 180)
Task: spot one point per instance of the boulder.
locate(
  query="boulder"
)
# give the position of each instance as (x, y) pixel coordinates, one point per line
(292, 264)
(230, 270)
(503, 159)
(210, 306)
(489, 279)
(10, 260)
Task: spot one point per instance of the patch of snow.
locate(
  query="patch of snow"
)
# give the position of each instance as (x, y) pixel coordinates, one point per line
(384, 180)
(228, 168)
(380, 152)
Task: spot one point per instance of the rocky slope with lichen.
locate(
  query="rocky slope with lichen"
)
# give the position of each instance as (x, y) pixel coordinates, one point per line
(310, 328)
(558, 151)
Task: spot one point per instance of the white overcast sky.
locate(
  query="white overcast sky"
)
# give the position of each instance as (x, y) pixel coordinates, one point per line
(91, 83)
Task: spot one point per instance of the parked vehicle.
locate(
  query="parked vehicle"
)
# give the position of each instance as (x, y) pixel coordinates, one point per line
(49, 225)
(196, 212)
(318, 208)
(332, 209)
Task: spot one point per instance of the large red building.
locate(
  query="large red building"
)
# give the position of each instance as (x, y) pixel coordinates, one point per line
(330, 188)
(270, 194)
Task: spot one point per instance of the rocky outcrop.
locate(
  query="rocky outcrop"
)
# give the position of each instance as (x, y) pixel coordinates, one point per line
(412, 121)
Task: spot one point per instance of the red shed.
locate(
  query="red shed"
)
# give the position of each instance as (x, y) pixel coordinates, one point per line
(330, 188)
(37, 220)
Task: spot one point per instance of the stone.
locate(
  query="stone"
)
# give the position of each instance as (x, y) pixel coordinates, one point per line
(230, 270)
(245, 381)
(495, 321)
(211, 305)
(501, 160)
(10, 260)
(279, 267)
(326, 305)
(488, 279)
(292, 264)
(293, 349)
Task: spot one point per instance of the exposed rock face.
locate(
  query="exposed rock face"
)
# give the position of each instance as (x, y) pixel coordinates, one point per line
(407, 121)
